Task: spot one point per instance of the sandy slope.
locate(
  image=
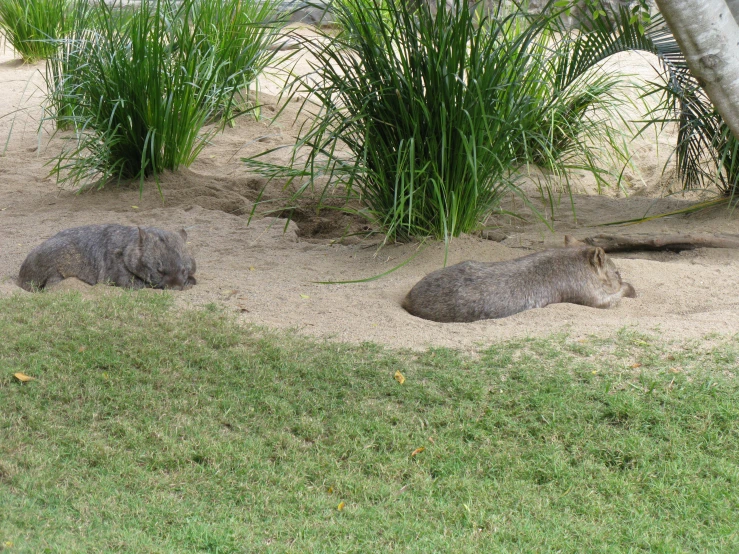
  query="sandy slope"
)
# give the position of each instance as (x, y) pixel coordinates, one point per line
(268, 276)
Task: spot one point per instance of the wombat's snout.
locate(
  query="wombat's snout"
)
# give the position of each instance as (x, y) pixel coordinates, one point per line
(180, 280)
(177, 280)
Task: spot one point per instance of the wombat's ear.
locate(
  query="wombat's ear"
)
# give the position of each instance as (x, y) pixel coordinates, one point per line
(572, 242)
(142, 236)
(597, 257)
(183, 234)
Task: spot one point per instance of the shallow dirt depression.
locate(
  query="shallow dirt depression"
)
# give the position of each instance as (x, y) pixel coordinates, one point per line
(266, 271)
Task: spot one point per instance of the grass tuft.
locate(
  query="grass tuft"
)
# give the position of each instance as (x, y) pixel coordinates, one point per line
(139, 86)
(242, 34)
(33, 26)
(423, 117)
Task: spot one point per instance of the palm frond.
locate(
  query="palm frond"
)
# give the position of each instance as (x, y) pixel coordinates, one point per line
(706, 152)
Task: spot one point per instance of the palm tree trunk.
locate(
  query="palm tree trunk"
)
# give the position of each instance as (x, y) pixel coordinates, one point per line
(734, 7)
(707, 32)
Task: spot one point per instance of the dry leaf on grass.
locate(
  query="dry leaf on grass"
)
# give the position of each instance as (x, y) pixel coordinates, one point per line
(399, 377)
(340, 506)
(22, 377)
(417, 451)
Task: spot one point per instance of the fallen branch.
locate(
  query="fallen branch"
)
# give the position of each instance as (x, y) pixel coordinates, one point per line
(672, 243)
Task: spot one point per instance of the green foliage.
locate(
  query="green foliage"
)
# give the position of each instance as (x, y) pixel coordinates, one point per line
(138, 86)
(424, 117)
(382, 8)
(575, 103)
(32, 26)
(153, 430)
(239, 33)
(63, 68)
(706, 152)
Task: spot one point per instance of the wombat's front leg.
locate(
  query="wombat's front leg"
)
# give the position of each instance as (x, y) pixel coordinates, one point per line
(53, 279)
(129, 282)
(627, 290)
(136, 283)
(610, 300)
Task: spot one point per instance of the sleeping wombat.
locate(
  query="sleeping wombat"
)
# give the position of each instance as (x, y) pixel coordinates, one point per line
(134, 257)
(579, 274)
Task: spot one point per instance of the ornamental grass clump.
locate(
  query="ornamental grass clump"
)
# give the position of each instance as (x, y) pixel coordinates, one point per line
(422, 117)
(572, 125)
(31, 26)
(138, 87)
(243, 34)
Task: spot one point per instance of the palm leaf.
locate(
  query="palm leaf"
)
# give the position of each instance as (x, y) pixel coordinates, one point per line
(706, 151)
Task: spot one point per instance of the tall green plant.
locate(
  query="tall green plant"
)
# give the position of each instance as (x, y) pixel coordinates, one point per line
(423, 117)
(138, 87)
(241, 33)
(575, 106)
(31, 26)
(706, 152)
(65, 68)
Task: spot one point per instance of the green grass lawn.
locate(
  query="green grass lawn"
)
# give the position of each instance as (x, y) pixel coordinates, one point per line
(150, 429)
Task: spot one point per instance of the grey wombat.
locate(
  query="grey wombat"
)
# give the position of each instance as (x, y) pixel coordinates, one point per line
(579, 274)
(134, 257)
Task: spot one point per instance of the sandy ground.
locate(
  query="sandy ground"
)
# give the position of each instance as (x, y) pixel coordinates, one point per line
(266, 272)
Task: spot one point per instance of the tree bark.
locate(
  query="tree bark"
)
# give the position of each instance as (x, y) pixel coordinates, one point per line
(734, 8)
(707, 32)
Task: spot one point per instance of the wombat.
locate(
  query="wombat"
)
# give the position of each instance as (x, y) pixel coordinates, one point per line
(469, 291)
(132, 257)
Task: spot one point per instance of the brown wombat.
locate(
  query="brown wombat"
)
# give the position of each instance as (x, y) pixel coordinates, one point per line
(133, 257)
(579, 274)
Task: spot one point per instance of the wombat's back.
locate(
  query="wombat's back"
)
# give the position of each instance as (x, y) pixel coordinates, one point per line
(117, 254)
(470, 291)
(72, 252)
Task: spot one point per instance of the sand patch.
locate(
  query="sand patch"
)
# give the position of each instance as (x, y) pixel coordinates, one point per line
(266, 270)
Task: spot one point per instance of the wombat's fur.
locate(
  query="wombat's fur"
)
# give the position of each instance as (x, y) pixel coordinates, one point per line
(133, 257)
(579, 274)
